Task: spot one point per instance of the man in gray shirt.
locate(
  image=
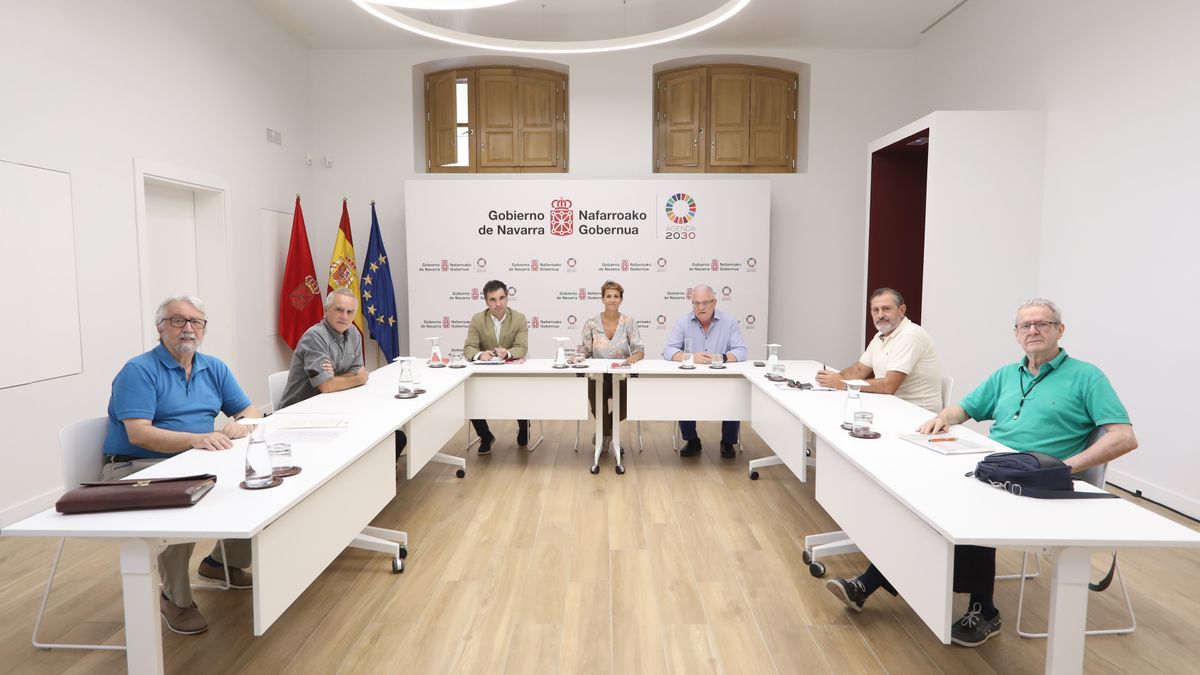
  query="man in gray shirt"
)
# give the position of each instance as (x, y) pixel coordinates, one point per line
(329, 355)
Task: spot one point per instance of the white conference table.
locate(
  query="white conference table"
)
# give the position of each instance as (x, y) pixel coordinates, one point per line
(535, 389)
(347, 477)
(904, 506)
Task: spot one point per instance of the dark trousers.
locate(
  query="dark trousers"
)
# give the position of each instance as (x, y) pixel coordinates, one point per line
(608, 390)
(481, 427)
(974, 572)
(729, 431)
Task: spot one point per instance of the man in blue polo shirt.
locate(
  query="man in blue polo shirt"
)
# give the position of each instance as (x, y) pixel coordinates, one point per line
(164, 402)
(1047, 402)
(716, 338)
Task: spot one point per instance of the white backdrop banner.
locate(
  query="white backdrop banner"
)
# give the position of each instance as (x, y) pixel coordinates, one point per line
(554, 242)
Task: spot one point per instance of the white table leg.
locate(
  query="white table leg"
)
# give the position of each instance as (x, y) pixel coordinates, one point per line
(598, 383)
(1068, 610)
(139, 581)
(616, 413)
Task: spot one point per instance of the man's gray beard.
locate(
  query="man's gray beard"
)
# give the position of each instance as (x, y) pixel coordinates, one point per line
(189, 347)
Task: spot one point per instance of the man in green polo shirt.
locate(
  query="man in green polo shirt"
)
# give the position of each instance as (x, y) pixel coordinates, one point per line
(1046, 402)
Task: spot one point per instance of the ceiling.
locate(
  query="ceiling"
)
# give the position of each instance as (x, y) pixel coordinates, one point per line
(340, 24)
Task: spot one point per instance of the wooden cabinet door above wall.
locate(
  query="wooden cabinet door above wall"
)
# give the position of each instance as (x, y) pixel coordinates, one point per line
(443, 119)
(537, 112)
(496, 120)
(682, 103)
(771, 108)
(725, 119)
(497, 105)
(729, 117)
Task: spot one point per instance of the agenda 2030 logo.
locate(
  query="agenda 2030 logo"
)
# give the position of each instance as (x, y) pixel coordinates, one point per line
(681, 212)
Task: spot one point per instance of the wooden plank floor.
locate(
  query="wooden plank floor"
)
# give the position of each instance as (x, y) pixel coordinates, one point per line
(532, 565)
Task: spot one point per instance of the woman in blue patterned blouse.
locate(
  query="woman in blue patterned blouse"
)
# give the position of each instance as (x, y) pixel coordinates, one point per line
(611, 335)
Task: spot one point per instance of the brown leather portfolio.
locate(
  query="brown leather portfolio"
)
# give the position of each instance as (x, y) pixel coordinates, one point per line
(146, 493)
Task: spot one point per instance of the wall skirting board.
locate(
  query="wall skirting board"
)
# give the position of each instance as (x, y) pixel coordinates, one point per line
(1156, 493)
(29, 507)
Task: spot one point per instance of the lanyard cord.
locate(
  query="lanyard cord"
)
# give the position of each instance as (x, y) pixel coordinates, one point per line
(1026, 391)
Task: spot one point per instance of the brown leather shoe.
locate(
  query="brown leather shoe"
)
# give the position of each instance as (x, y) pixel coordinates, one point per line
(238, 577)
(182, 620)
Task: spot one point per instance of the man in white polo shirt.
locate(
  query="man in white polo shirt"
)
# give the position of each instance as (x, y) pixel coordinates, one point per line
(900, 357)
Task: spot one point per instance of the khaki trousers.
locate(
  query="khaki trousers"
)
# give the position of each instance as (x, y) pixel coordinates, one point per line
(173, 561)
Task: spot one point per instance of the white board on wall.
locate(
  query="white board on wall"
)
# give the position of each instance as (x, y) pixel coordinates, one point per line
(276, 237)
(35, 208)
(554, 242)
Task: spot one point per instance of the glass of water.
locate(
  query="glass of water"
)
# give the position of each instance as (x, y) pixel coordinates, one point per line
(862, 423)
(688, 361)
(258, 460)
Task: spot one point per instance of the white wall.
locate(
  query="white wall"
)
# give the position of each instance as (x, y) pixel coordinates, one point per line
(1117, 81)
(88, 87)
(195, 86)
(363, 117)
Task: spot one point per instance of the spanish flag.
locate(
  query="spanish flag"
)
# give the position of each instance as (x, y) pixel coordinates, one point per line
(343, 272)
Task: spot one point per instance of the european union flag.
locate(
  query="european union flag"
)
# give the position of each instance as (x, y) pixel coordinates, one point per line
(378, 294)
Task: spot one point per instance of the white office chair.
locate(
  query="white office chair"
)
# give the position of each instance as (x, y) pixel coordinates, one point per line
(947, 390)
(1094, 476)
(838, 543)
(82, 461)
(275, 384)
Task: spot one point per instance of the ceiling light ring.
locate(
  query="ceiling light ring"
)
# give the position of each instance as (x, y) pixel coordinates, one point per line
(683, 30)
(442, 4)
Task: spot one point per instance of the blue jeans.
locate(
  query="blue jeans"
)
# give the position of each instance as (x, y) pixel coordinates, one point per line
(729, 431)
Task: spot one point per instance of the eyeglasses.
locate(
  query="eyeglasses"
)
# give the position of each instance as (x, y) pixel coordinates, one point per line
(803, 386)
(1041, 326)
(703, 303)
(179, 321)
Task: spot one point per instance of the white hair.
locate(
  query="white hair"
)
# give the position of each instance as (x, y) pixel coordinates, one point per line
(189, 299)
(704, 287)
(1042, 302)
(339, 291)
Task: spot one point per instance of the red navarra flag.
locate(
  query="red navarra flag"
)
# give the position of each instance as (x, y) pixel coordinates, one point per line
(300, 295)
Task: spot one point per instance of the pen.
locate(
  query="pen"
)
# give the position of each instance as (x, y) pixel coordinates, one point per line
(942, 440)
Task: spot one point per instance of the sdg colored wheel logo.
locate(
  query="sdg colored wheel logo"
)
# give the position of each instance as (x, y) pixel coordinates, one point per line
(681, 208)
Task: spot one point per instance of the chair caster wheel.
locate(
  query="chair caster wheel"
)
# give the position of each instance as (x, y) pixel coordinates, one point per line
(397, 566)
(595, 469)
(620, 470)
(806, 556)
(460, 473)
(817, 569)
(753, 475)
(403, 553)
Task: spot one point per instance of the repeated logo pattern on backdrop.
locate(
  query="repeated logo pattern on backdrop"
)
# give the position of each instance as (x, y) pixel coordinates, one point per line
(555, 242)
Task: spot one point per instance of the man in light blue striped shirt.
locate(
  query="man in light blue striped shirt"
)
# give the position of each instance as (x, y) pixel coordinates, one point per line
(716, 337)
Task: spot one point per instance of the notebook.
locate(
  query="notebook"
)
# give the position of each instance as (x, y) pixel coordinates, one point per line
(946, 444)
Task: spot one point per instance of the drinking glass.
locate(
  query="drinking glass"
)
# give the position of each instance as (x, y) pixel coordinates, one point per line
(281, 458)
(862, 423)
(258, 460)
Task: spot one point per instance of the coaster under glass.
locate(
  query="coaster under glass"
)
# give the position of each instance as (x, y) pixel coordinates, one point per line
(275, 482)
